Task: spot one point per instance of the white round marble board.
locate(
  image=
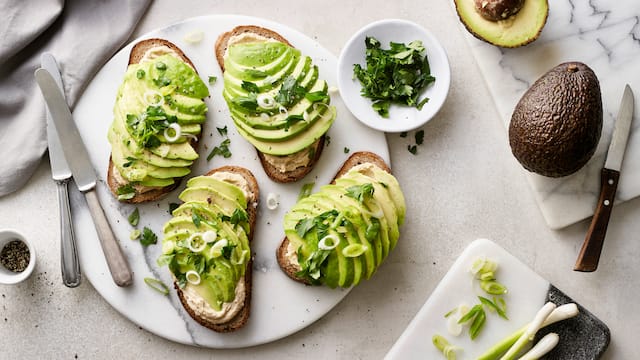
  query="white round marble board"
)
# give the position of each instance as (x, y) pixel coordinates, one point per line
(279, 306)
(583, 337)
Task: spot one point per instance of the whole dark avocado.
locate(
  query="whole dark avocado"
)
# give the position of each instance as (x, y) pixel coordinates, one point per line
(556, 125)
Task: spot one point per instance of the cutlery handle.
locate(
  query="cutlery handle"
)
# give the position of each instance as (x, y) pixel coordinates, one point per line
(117, 262)
(592, 246)
(68, 254)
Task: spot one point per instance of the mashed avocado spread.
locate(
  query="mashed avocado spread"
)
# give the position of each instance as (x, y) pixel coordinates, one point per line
(158, 110)
(341, 234)
(206, 244)
(275, 97)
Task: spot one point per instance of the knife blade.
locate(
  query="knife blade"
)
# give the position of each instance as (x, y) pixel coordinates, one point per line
(84, 175)
(61, 174)
(592, 247)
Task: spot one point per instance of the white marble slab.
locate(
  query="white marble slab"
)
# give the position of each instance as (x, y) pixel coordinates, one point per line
(603, 34)
(279, 306)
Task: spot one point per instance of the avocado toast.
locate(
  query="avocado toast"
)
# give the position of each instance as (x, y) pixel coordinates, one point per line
(206, 246)
(276, 99)
(158, 116)
(342, 233)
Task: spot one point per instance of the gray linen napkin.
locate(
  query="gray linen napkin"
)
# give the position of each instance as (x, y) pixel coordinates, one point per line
(82, 35)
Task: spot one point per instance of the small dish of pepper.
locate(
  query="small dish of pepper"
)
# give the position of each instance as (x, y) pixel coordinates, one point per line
(17, 257)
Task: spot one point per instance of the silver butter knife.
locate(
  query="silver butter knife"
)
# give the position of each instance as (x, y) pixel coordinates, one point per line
(83, 175)
(592, 246)
(61, 174)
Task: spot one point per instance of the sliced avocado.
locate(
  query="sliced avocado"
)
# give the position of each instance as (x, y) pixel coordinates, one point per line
(175, 151)
(211, 196)
(186, 104)
(184, 118)
(261, 57)
(223, 187)
(130, 150)
(153, 182)
(298, 143)
(518, 29)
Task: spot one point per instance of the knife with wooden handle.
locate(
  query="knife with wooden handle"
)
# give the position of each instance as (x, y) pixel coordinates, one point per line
(83, 175)
(592, 247)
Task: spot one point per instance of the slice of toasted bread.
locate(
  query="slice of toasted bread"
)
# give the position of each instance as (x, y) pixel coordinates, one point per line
(270, 169)
(357, 158)
(240, 319)
(114, 180)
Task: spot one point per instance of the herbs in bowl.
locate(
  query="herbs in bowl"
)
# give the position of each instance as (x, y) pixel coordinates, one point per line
(393, 75)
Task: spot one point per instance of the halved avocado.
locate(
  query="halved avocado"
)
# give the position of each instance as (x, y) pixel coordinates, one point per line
(516, 30)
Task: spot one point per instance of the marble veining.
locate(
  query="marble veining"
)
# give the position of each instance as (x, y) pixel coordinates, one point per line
(605, 35)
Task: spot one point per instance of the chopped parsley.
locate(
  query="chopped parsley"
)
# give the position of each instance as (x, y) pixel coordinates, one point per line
(212, 80)
(290, 92)
(134, 217)
(148, 237)
(126, 192)
(412, 149)
(173, 206)
(419, 137)
(360, 192)
(346, 150)
(222, 149)
(397, 75)
(222, 131)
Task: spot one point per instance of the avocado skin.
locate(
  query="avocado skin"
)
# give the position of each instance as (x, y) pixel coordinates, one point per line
(556, 126)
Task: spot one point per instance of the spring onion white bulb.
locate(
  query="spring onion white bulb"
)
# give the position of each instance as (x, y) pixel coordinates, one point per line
(193, 277)
(305, 116)
(328, 242)
(544, 345)
(177, 132)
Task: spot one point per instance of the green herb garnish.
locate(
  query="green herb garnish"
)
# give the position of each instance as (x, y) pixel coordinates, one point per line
(126, 192)
(222, 149)
(222, 131)
(292, 119)
(360, 192)
(305, 190)
(346, 150)
(173, 206)
(212, 80)
(140, 74)
(157, 285)
(134, 217)
(148, 237)
(419, 137)
(397, 75)
(412, 149)
(290, 92)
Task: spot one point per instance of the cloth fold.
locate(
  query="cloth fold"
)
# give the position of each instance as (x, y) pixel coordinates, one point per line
(82, 35)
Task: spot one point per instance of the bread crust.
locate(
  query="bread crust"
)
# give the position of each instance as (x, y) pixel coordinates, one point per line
(240, 319)
(357, 158)
(272, 172)
(150, 193)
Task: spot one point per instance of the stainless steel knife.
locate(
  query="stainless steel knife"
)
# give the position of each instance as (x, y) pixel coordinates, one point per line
(61, 174)
(592, 246)
(83, 175)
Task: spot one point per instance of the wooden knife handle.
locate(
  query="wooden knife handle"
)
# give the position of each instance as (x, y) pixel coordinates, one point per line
(117, 262)
(592, 246)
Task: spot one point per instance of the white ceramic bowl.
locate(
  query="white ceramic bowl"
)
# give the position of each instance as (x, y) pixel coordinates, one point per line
(8, 277)
(401, 118)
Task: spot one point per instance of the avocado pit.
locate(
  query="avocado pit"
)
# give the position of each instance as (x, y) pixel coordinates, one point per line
(495, 10)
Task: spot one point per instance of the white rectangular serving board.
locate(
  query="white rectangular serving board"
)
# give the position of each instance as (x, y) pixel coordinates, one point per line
(602, 34)
(527, 292)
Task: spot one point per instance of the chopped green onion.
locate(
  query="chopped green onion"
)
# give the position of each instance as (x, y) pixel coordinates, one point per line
(493, 306)
(135, 234)
(305, 190)
(448, 350)
(157, 285)
(354, 250)
(493, 287)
